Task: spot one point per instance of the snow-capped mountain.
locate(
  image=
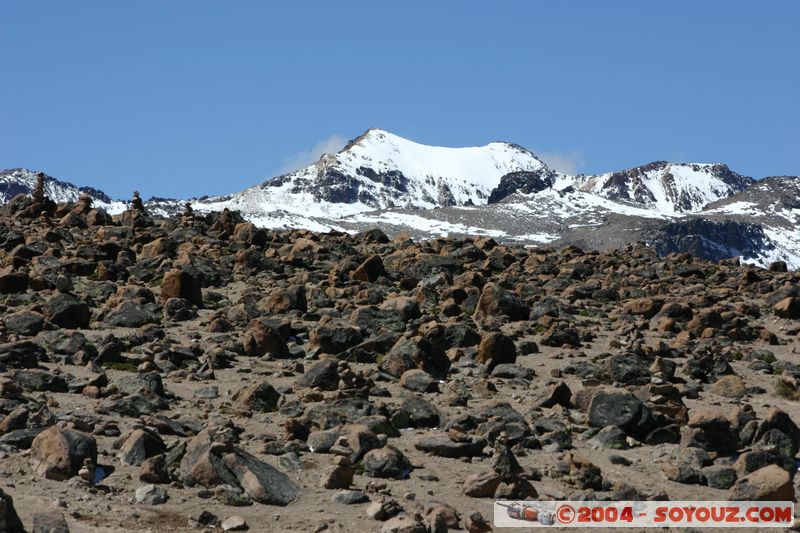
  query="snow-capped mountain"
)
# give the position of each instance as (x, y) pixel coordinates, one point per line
(667, 187)
(22, 181)
(379, 170)
(504, 191)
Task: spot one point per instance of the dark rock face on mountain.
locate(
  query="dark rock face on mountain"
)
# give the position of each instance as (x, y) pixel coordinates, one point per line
(772, 195)
(712, 240)
(522, 182)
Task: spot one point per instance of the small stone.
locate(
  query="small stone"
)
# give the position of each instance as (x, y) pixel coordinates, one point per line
(234, 523)
(404, 524)
(383, 510)
(151, 495)
(475, 523)
(729, 386)
(349, 497)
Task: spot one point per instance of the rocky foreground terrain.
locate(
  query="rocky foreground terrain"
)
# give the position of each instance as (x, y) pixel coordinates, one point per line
(201, 374)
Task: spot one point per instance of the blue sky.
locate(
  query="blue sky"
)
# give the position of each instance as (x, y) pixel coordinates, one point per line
(185, 98)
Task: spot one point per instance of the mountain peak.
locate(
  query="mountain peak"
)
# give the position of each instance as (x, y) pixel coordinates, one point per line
(381, 170)
(668, 187)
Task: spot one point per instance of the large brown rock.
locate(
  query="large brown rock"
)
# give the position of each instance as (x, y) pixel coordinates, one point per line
(497, 301)
(179, 283)
(249, 233)
(261, 397)
(210, 463)
(158, 247)
(284, 299)
(729, 386)
(771, 483)
(370, 270)
(788, 308)
(261, 339)
(646, 307)
(58, 453)
(483, 484)
(495, 349)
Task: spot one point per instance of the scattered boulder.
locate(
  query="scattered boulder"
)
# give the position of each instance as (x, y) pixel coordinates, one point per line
(261, 339)
(495, 349)
(386, 462)
(370, 270)
(9, 520)
(67, 311)
(497, 301)
(771, 483)
(151, 495)
(58, 453)
(787, 308)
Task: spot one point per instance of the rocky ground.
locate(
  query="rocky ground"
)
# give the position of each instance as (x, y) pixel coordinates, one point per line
(201, 374)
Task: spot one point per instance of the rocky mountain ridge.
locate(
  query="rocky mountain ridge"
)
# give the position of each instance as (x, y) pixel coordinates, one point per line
(504, 191)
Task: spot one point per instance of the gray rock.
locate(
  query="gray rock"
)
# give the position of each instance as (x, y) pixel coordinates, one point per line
(136, 405)
(323, 374)
(139, 445)
(386, 462)
(420, 412)
(621, 409)
(443, 446)
(136, 383)
(610, 437)
(264, 483)
(49, 522)
(39, 380)
(67, 311)
(349, 497)
(130, 314)
(24, 322)
(151, 495)
(512, 371)
(418, 381)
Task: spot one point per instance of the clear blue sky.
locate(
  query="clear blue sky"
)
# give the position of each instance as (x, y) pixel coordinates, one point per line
(183, 98)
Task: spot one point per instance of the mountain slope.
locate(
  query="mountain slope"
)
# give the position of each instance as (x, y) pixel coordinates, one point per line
(667, 187)
(22, 181)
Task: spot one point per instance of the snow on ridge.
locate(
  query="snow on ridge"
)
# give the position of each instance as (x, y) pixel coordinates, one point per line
(482, 166)
(24, 180)
(670, 188)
